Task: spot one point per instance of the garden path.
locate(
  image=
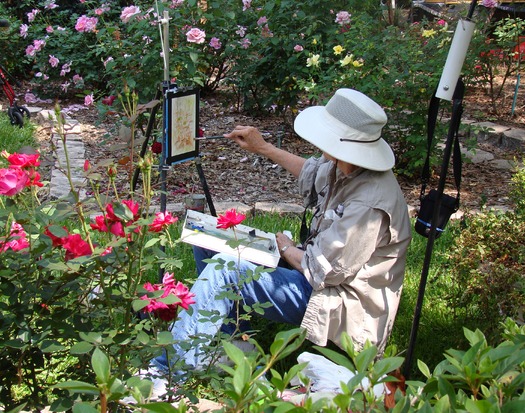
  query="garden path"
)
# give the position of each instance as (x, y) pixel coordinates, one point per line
(485, 174)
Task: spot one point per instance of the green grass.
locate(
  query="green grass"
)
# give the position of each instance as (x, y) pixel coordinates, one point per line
(14, 138)
(438, 329)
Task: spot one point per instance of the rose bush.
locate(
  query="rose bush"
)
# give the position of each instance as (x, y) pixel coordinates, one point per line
(72, 280)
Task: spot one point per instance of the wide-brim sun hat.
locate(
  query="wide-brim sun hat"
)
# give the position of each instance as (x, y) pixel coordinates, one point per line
(349, 129)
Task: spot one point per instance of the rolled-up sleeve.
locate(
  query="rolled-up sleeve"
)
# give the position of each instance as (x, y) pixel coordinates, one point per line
(343, 246)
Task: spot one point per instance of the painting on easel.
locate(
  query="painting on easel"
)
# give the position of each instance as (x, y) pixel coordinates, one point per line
(182, 124)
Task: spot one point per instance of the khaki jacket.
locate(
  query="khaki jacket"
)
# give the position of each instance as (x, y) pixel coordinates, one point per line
(356, 263)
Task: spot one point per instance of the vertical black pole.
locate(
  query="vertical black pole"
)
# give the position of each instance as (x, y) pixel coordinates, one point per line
(454, 122)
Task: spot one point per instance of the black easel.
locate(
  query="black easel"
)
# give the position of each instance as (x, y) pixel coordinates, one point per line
(457, 109)
(163, 167)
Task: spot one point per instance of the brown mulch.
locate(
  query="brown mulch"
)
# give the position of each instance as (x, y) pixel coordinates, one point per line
(238, 176)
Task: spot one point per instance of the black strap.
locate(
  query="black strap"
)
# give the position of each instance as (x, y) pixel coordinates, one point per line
(457, 111)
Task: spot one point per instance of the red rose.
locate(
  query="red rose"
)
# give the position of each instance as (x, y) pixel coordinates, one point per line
(230, 219)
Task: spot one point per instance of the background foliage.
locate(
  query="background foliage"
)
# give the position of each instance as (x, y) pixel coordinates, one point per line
(266, 55)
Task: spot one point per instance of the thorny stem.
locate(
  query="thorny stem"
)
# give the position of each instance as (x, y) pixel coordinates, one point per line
(80, 211)
(129, 104)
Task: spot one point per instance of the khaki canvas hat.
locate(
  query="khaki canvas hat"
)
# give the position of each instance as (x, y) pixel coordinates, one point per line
(349, 129)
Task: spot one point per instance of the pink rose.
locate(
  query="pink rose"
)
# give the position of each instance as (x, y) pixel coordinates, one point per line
(245, 43)
(128, 13)
(89, 100)
(490, 4)
(86, 24)
(160, 309)
(246, 4)
(342, 18)
(30, 98)
(215, 43)
(298, 48)
(108, 100)
(12, 181)
(23, 30)
(17, 239)
(262, 20)
(22, 160)
(32, 14)
(30, 50)
(53, 61)
(196, 35)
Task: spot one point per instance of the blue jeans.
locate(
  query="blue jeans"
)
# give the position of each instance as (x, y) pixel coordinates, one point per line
(286, 289)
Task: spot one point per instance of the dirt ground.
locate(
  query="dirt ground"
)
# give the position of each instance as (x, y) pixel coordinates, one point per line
(235, 175)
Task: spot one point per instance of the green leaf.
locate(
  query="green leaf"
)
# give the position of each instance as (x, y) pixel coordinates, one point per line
(122, 211)
(194, 57)
(78, 387)
(143, 337)
(387, 365)
(54, 266)
(286, 342)
(50, 346)
(101, 366)
(84, 408)
(336, 357)
(170, 299)
(233, 352)
(17, 408)
(14, 343)
(57, 231)
(151, 242)
(513, 406)
(139, 304)
(82, 347)
(164, 338)
(424, 369)
(443, 405)
(241, 377)
(162, 407)
(365, 358)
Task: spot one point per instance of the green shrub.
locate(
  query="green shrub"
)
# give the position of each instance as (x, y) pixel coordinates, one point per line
(517, 189)
(487, 265)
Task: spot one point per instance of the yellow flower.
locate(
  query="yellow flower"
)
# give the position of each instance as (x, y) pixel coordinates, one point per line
(338, 49)
(429, 33)
(314, 41)
(313, 61)
(358, 63)
(346, 61)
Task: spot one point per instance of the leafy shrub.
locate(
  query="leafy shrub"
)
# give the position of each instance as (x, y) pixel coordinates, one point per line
(488, 266)
(517, 189)
(269, 55)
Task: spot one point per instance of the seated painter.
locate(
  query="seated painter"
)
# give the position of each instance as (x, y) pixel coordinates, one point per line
(348, 274)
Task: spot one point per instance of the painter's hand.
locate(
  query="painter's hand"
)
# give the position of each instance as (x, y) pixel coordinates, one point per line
(249, 139)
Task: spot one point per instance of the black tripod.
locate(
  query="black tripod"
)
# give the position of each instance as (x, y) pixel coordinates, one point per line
(449, 85)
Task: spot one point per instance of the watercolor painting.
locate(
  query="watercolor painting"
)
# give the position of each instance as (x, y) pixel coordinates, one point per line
(183, 124)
